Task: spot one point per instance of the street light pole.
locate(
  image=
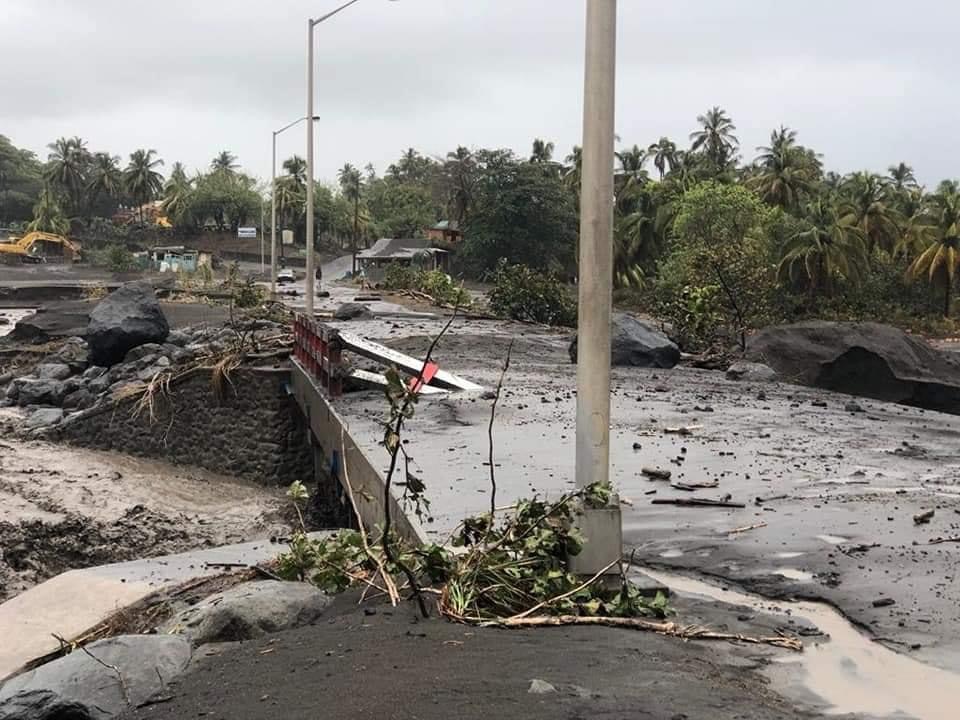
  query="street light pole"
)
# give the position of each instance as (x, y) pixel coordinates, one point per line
(311, 24)
(273, 203)
(596, 246)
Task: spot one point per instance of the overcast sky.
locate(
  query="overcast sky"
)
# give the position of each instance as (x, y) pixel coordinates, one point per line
(865, 82)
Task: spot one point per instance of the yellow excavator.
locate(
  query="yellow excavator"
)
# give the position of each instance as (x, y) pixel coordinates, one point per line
(34, 247)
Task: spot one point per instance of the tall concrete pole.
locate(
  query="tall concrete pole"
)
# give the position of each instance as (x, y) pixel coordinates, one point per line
(309, 284)
(273, 219)
(596, 246)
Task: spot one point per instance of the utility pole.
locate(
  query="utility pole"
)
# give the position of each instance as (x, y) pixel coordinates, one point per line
(309, 280)
(601, 527)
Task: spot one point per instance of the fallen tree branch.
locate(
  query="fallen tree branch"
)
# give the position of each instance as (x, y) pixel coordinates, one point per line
(114, 668)
(746, 528)
(938, 541)
(493, 413)
(684, 632)
(387, 579)
(698, 502)
(564, 596)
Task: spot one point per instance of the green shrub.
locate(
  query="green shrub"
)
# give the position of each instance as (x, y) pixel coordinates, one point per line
(527, 295)
(400, 277)
(119, 259)
(435, 283)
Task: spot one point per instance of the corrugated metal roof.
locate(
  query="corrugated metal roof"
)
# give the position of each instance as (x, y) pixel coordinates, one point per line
(399, 248)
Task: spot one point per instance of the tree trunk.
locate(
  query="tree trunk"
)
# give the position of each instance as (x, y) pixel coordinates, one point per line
(946, 299)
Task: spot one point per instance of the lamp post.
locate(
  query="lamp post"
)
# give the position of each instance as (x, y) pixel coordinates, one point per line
(311, 24)
(273, 203)
(603, 526)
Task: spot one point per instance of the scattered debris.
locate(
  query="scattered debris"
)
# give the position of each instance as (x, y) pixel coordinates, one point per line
(937, 541)
(769, 498)
(541, 687)
(884, 602)
(691, 486)
(656, 473)
(924, 517)
(854, 407)
(746, 528)
(682, 430)
(698, 502)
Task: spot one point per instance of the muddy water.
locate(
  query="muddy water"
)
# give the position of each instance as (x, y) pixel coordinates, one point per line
(12, 316)
(850, 672)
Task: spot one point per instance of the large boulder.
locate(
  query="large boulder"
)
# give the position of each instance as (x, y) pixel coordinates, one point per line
(637, 343)
(751, 372)
(44, 417)
(83, 684)
(248, 611)
(352, 311)
(37, 391)
(52, 321)
(127, 318)
(867, 359)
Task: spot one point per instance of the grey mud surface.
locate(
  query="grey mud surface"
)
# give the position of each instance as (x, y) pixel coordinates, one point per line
(847, 485)
(66, 508)
(389, 665)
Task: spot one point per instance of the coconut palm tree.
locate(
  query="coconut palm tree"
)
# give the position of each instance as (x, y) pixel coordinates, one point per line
(636, 239)
(831, 245)
(542, 151)
(47, 215)
(631, 162)
(902, 177)
(225, 162)
(716, 137)
(67, 168)
(177, 194)
(574, 169)
(786, 171)
(870, 207)
(105, 177)
(460, 169)
(940, 259)
(296, 167)
(351, 184)
(140, 178)
(664, 154)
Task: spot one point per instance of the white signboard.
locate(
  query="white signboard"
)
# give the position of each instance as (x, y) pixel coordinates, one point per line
(288, 237)
(247, 232)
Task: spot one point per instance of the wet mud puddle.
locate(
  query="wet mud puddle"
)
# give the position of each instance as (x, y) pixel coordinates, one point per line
(847, 670)
(10, 317)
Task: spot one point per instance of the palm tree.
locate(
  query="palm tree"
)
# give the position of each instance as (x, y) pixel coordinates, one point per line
(636, 234)
(631, 161)
(940, 259)
(716, 137)
(296, 167)
(830, 245)
(461, 173)
(902, 177)
(574, 169)
(787, 172)
(105, 177)
(351, 185)
(869, 207)
(664, 154)
(47, 215)
(140, 178)
(542, 151)
(67, 167)
(225, 162)
(177, 194)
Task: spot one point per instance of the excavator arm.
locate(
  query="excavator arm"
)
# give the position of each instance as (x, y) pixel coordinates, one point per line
(23, 247)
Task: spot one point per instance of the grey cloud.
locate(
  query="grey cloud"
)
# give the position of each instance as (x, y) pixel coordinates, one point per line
(866, 83)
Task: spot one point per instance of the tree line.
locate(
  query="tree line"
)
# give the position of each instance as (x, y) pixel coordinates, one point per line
(861, 244)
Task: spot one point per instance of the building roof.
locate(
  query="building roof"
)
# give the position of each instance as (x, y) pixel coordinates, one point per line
(172, 249)
(402, 248)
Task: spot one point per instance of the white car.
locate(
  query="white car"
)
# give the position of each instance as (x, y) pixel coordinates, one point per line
(286, 276)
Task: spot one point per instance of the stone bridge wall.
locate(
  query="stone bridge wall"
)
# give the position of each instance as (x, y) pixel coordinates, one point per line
(253, 430)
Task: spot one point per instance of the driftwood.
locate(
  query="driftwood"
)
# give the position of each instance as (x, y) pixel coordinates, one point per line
(685, 632)
(691, 486)
(656, 473)
(937, 541)
(697, 502)
(746, 528)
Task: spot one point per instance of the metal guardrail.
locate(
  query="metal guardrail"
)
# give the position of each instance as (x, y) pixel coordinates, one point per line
(319, 350)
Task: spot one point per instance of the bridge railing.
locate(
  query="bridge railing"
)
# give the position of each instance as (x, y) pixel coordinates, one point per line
(319, 350)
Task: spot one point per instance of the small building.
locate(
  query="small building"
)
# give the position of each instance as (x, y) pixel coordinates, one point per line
(176, 258)
(446, 232)
(412, 251)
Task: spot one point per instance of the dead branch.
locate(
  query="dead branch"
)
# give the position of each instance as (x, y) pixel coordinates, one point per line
(737, 531)
(493, 412)
(387, 579)
(684, 632)
(697, 502)
(113, 668)
(409, 398)
(938, 541)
